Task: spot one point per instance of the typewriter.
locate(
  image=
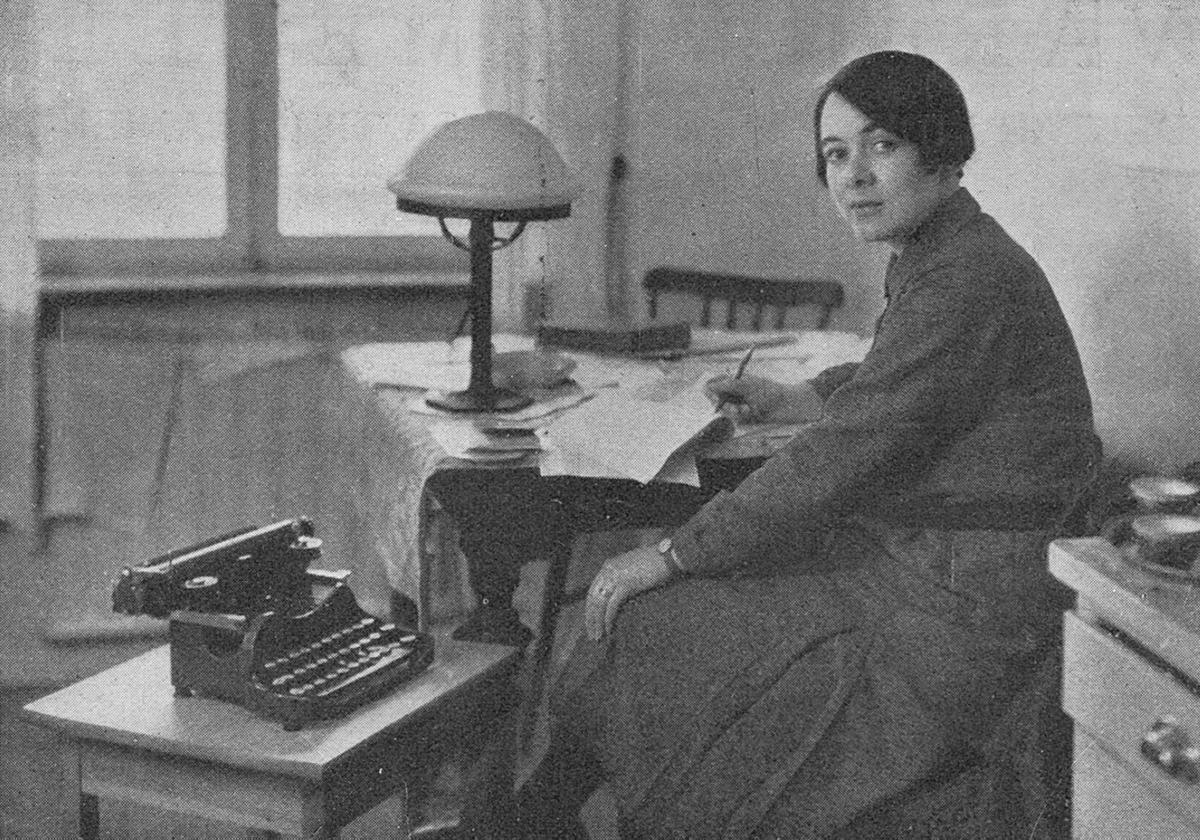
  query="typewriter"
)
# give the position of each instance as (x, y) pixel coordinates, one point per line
(251, 623)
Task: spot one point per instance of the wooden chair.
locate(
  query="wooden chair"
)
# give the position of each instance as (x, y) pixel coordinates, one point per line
(756, 294)
(1017, 784)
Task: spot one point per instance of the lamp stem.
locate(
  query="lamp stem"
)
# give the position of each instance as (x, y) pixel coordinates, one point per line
(483, 231)
(481, 393)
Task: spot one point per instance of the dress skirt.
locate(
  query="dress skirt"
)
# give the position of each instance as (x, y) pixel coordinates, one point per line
(786, 702)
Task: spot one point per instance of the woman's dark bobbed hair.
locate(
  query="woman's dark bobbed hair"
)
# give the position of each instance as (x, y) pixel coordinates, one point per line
(908, 95)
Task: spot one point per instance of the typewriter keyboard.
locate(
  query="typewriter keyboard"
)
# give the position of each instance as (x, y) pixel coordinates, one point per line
(336, 658)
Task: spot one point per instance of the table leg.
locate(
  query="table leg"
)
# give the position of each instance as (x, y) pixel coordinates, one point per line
(89, 816)
(505, 519)
(489, 801)
(80, 817)
(553, 595)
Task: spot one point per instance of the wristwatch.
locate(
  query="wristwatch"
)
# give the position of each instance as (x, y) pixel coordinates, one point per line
(667, 549)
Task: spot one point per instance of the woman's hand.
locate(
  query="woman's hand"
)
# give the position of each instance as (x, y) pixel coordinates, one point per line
(758, 400)
(619, 579)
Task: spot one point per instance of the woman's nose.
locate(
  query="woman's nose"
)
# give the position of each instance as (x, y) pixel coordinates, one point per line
(858, 171)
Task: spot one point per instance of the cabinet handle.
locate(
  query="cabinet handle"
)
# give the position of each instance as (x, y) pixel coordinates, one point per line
(1167, 745)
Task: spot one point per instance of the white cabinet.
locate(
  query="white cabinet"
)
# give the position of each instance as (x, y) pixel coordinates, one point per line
(1131, 684)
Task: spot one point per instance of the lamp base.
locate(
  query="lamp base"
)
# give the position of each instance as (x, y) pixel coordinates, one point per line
(495, 399)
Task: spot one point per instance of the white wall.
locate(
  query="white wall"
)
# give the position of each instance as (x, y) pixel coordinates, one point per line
(1086, 114)
(717, 135)
(722, 140)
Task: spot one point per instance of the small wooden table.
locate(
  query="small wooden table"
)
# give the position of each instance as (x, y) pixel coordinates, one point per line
(124, 735)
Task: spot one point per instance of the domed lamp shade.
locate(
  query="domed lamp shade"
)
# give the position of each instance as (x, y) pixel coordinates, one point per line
(487, 168)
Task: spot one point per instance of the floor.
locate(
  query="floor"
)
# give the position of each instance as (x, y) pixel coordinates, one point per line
(109, 402)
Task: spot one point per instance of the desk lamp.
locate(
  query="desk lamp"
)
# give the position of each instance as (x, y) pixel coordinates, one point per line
(487, 168)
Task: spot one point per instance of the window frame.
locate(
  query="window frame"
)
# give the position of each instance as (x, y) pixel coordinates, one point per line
(252, 241)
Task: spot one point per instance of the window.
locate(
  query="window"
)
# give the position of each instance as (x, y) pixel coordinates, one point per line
(361, 84)
(122, 151)
(203, 135)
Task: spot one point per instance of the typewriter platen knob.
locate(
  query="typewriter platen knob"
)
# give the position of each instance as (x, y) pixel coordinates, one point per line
(202, 593)
(307, 548)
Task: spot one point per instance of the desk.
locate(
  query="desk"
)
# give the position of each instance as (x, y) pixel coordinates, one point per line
(125, 736)
(509, 514)
(1130, 668)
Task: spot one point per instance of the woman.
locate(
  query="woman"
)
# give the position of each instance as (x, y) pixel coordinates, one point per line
(859, 610)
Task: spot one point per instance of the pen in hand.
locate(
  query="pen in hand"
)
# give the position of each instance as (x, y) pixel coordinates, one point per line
(741, 368)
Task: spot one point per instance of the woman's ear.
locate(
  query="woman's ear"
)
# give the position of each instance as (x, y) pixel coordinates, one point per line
(949, 175)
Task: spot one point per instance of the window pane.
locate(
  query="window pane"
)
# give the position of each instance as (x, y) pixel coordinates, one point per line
(361, 83)
(131, 99)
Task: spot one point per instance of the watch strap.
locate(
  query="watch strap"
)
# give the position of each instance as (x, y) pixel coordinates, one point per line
(667, 549)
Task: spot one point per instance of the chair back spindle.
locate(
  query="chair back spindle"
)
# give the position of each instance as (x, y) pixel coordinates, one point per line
(759, 293)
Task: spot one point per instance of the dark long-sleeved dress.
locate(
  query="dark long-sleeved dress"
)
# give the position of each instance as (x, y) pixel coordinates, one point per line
(861, 606)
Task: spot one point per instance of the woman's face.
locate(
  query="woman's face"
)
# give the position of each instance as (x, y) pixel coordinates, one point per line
(876, 179)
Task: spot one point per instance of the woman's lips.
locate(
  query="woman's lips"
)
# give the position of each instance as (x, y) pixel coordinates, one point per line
(863, 209)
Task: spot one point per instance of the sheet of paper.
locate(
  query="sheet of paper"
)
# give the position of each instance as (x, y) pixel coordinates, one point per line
(613, 371)
(618, 436)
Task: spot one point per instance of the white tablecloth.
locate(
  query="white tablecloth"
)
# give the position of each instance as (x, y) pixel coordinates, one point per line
(398, 453)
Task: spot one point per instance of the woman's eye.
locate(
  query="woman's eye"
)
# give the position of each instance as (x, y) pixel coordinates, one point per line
(834, 155)
(885, 145)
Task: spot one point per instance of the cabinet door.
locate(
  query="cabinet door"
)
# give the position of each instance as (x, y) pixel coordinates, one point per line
(1117, 698)
(1111, 803)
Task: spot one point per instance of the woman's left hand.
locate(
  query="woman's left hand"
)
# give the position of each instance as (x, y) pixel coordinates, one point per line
(619, 579)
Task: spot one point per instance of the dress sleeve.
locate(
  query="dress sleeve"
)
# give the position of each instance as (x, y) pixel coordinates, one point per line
(926, 379)
(832, 378)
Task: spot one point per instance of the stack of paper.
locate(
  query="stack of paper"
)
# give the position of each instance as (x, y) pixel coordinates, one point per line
(466, 439)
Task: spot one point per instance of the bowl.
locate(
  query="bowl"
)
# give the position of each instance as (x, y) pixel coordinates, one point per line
(1167, 540)
(1163, 494)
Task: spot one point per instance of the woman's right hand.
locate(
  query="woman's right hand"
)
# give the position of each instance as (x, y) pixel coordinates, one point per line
(758, 400)
(619, 579)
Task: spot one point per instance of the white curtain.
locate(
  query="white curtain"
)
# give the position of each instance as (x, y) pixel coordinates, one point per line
(18, 264)
(514, 60)
(555, 63)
